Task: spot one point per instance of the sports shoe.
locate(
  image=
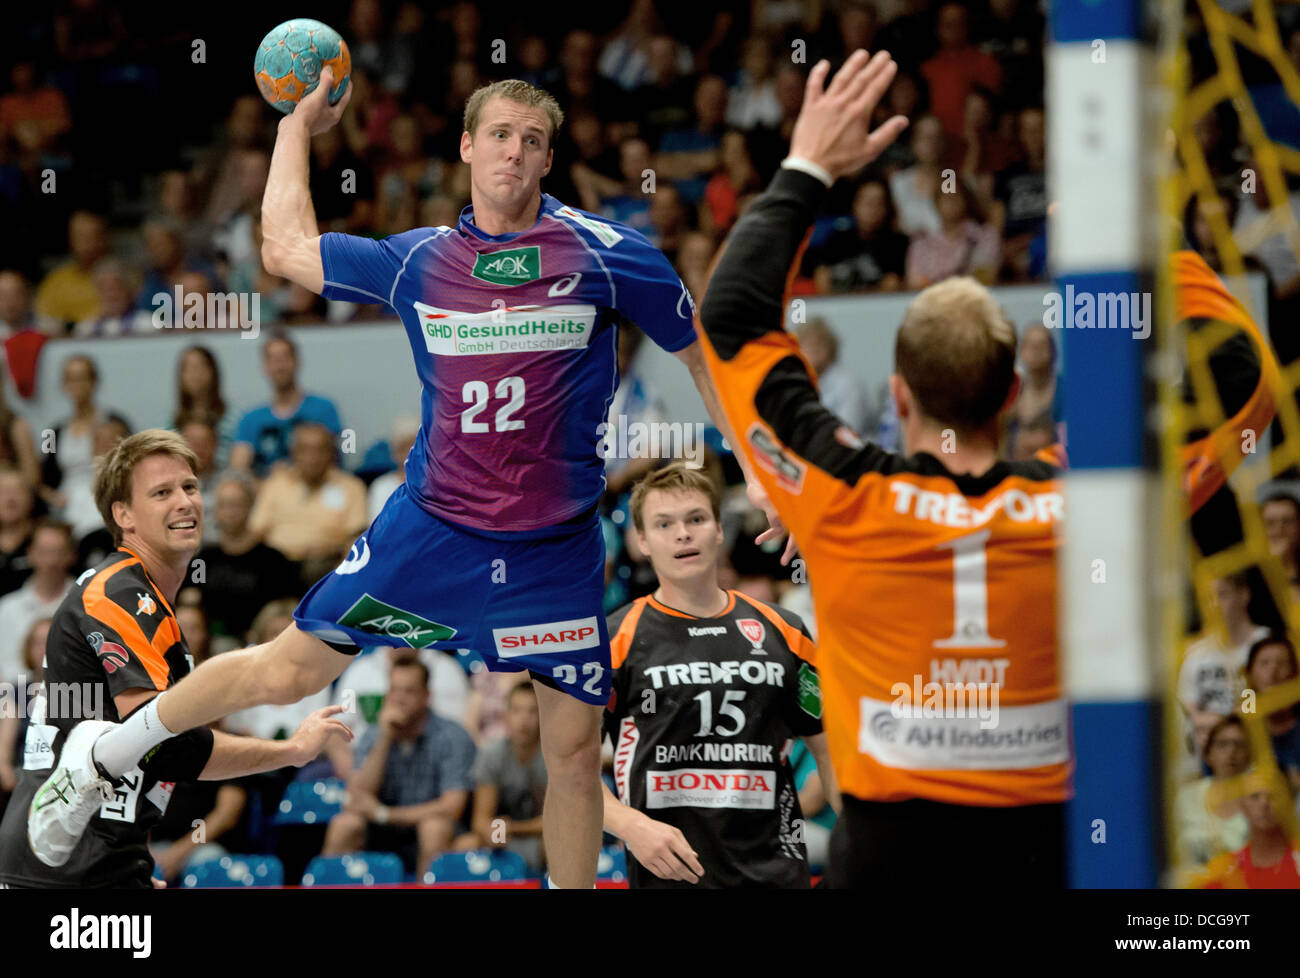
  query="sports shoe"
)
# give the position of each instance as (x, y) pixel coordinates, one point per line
(64, 805)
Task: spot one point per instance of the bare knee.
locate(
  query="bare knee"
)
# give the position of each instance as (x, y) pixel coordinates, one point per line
(292, 666)
(435, 831)
(345, 832)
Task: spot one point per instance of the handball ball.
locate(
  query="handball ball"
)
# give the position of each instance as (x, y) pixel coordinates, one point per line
(290, 58)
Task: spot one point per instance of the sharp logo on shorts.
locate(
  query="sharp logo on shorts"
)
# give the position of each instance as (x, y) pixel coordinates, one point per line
(369, 614)
(705, 788)
(514, 266)
(710, 630)
(554, 636)
(753, 630)
(772, 456)
(111, 655)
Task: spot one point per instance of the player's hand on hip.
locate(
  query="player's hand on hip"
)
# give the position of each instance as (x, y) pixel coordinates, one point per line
(834, 126)
(663, 850)
(775, 525)
(314, 111)
(315, 731)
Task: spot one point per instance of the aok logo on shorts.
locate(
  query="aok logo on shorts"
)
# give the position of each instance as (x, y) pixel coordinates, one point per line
(369, 614)
(514, 266)
(554, 636)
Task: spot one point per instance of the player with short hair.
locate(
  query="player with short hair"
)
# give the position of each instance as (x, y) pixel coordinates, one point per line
(494, 540)
(114, 645)
(710, 689)
(933, 572)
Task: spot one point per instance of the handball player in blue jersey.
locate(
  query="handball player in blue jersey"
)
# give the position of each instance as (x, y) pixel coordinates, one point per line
(494, 541)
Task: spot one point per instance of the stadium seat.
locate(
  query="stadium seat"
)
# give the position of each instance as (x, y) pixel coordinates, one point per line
(310, 802)
(478, 866)
(355, 869)
(612, 864)
(234, 871)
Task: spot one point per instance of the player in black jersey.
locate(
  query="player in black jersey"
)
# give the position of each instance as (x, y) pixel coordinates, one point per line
(114, 644)
(710, 689)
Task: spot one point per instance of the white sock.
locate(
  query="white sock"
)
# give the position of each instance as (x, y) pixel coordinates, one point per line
(119, 750)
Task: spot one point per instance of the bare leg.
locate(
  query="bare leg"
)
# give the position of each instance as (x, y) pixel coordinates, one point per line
(434, 834)
(573, 815)
(346, 833)
(292, 665)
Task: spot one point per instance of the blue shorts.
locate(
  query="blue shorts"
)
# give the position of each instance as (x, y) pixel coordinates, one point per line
(527, 600)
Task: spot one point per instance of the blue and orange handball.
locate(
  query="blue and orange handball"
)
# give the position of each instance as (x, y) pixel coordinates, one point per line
(290, 58)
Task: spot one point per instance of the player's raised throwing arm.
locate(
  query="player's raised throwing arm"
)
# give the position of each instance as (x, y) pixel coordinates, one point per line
(290, 237)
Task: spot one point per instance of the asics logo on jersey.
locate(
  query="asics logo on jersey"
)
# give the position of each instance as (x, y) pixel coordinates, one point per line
(565, 285)
(356, 559)
(144, 605)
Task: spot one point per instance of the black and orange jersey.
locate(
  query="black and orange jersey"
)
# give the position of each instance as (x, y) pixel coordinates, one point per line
(935, 592)
(702, 715)
(114, 632)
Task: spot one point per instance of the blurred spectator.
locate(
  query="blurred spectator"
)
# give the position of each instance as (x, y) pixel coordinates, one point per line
(626, 202)
(1271, 662)
(303, 307)
(509, 779)
(1020, 196)
(752, 100)
(405, 431)
(13, 728)
(273, 721)
(409, 176)
(625, 59)
(1218, 134)
(1208, 819)
(688, 155)
(342, 185)
(66, 472)
(906, 97)
(869, 254)
(365, 125)
(15, 303)
(662, 103)
(636, 401)
(1280, 513)
(1041, 397)
(485, 704)
(262, 438)
(669, 221)
(735, 178)
(232, 232)
(589, 167)
(202, 439)
(168, 262)
(1259, 230)
(580, 88)
(310, 510)
(913, 189)
(982, 149)
(1012, 33)
(51, 555)
(240, 573)
(956, 68)
(535, 63)
(412, 778)
(178, 201)
(17, 446)
(67, 295)
(841, 392)
(391, 59)
(819, 816)
(32, 116)
(694, 259)
(1212, 675)
(768, 147)
(198, 396)
(439, 212)
(1030, 438)
(1269, 860)
(910, 37)
(218, 807)
(221, 178)
(963, 245)
(116, 285)
(16, 525)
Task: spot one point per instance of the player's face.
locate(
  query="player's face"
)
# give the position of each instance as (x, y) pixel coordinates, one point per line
(166, 510)
(509, 154)
(681, 536)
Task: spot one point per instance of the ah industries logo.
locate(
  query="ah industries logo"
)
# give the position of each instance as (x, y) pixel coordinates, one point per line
(514, 266)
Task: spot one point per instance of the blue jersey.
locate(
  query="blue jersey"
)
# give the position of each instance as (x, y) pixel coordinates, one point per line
(514, 340)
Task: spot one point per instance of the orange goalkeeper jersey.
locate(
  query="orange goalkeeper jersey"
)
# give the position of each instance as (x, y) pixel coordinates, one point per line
(935, 593)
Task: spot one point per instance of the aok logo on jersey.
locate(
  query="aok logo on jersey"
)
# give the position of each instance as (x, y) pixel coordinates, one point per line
(517, 329)
(513, 266)
(710, 788)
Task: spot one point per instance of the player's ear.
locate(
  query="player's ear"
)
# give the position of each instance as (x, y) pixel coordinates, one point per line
(466, 145)
(901, 396)
(1013, 392)
(122, 516)
(550, 156)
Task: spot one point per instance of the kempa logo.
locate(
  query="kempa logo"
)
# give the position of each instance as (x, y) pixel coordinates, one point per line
(369, 614)
(514, 266)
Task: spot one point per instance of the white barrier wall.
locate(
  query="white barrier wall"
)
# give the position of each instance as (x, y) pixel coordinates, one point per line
(367, 369)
